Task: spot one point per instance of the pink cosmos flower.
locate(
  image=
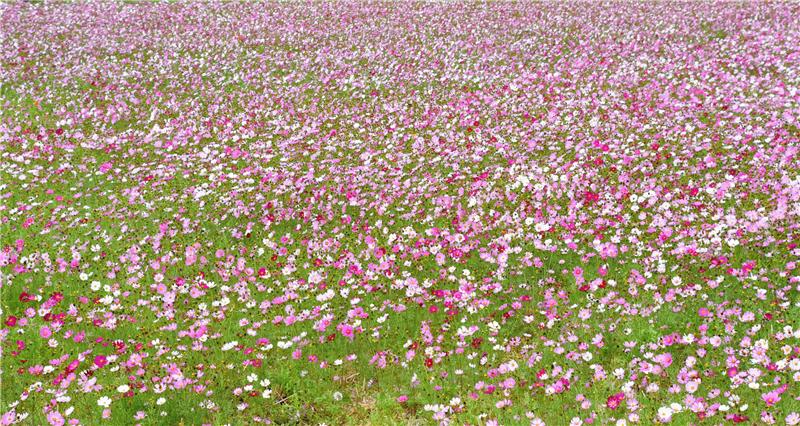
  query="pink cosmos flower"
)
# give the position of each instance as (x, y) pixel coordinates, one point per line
(614, 401)
(100, 361)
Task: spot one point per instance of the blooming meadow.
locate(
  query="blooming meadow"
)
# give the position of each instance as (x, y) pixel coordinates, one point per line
(400, 213)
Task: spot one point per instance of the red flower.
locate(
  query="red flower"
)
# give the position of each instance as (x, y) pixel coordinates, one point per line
(739, 418)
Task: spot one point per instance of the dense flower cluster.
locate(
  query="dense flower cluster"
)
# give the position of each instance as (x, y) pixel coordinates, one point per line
(385, 212)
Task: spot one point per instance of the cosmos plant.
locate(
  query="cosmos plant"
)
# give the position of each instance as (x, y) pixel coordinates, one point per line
(400, 212)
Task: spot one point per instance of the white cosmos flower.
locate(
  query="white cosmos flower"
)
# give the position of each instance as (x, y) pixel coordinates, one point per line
(104, 402)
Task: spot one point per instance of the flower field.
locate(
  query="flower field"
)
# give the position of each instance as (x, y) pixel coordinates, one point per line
(391, 213)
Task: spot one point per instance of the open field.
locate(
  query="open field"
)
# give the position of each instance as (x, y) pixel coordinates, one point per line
(379, 213)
